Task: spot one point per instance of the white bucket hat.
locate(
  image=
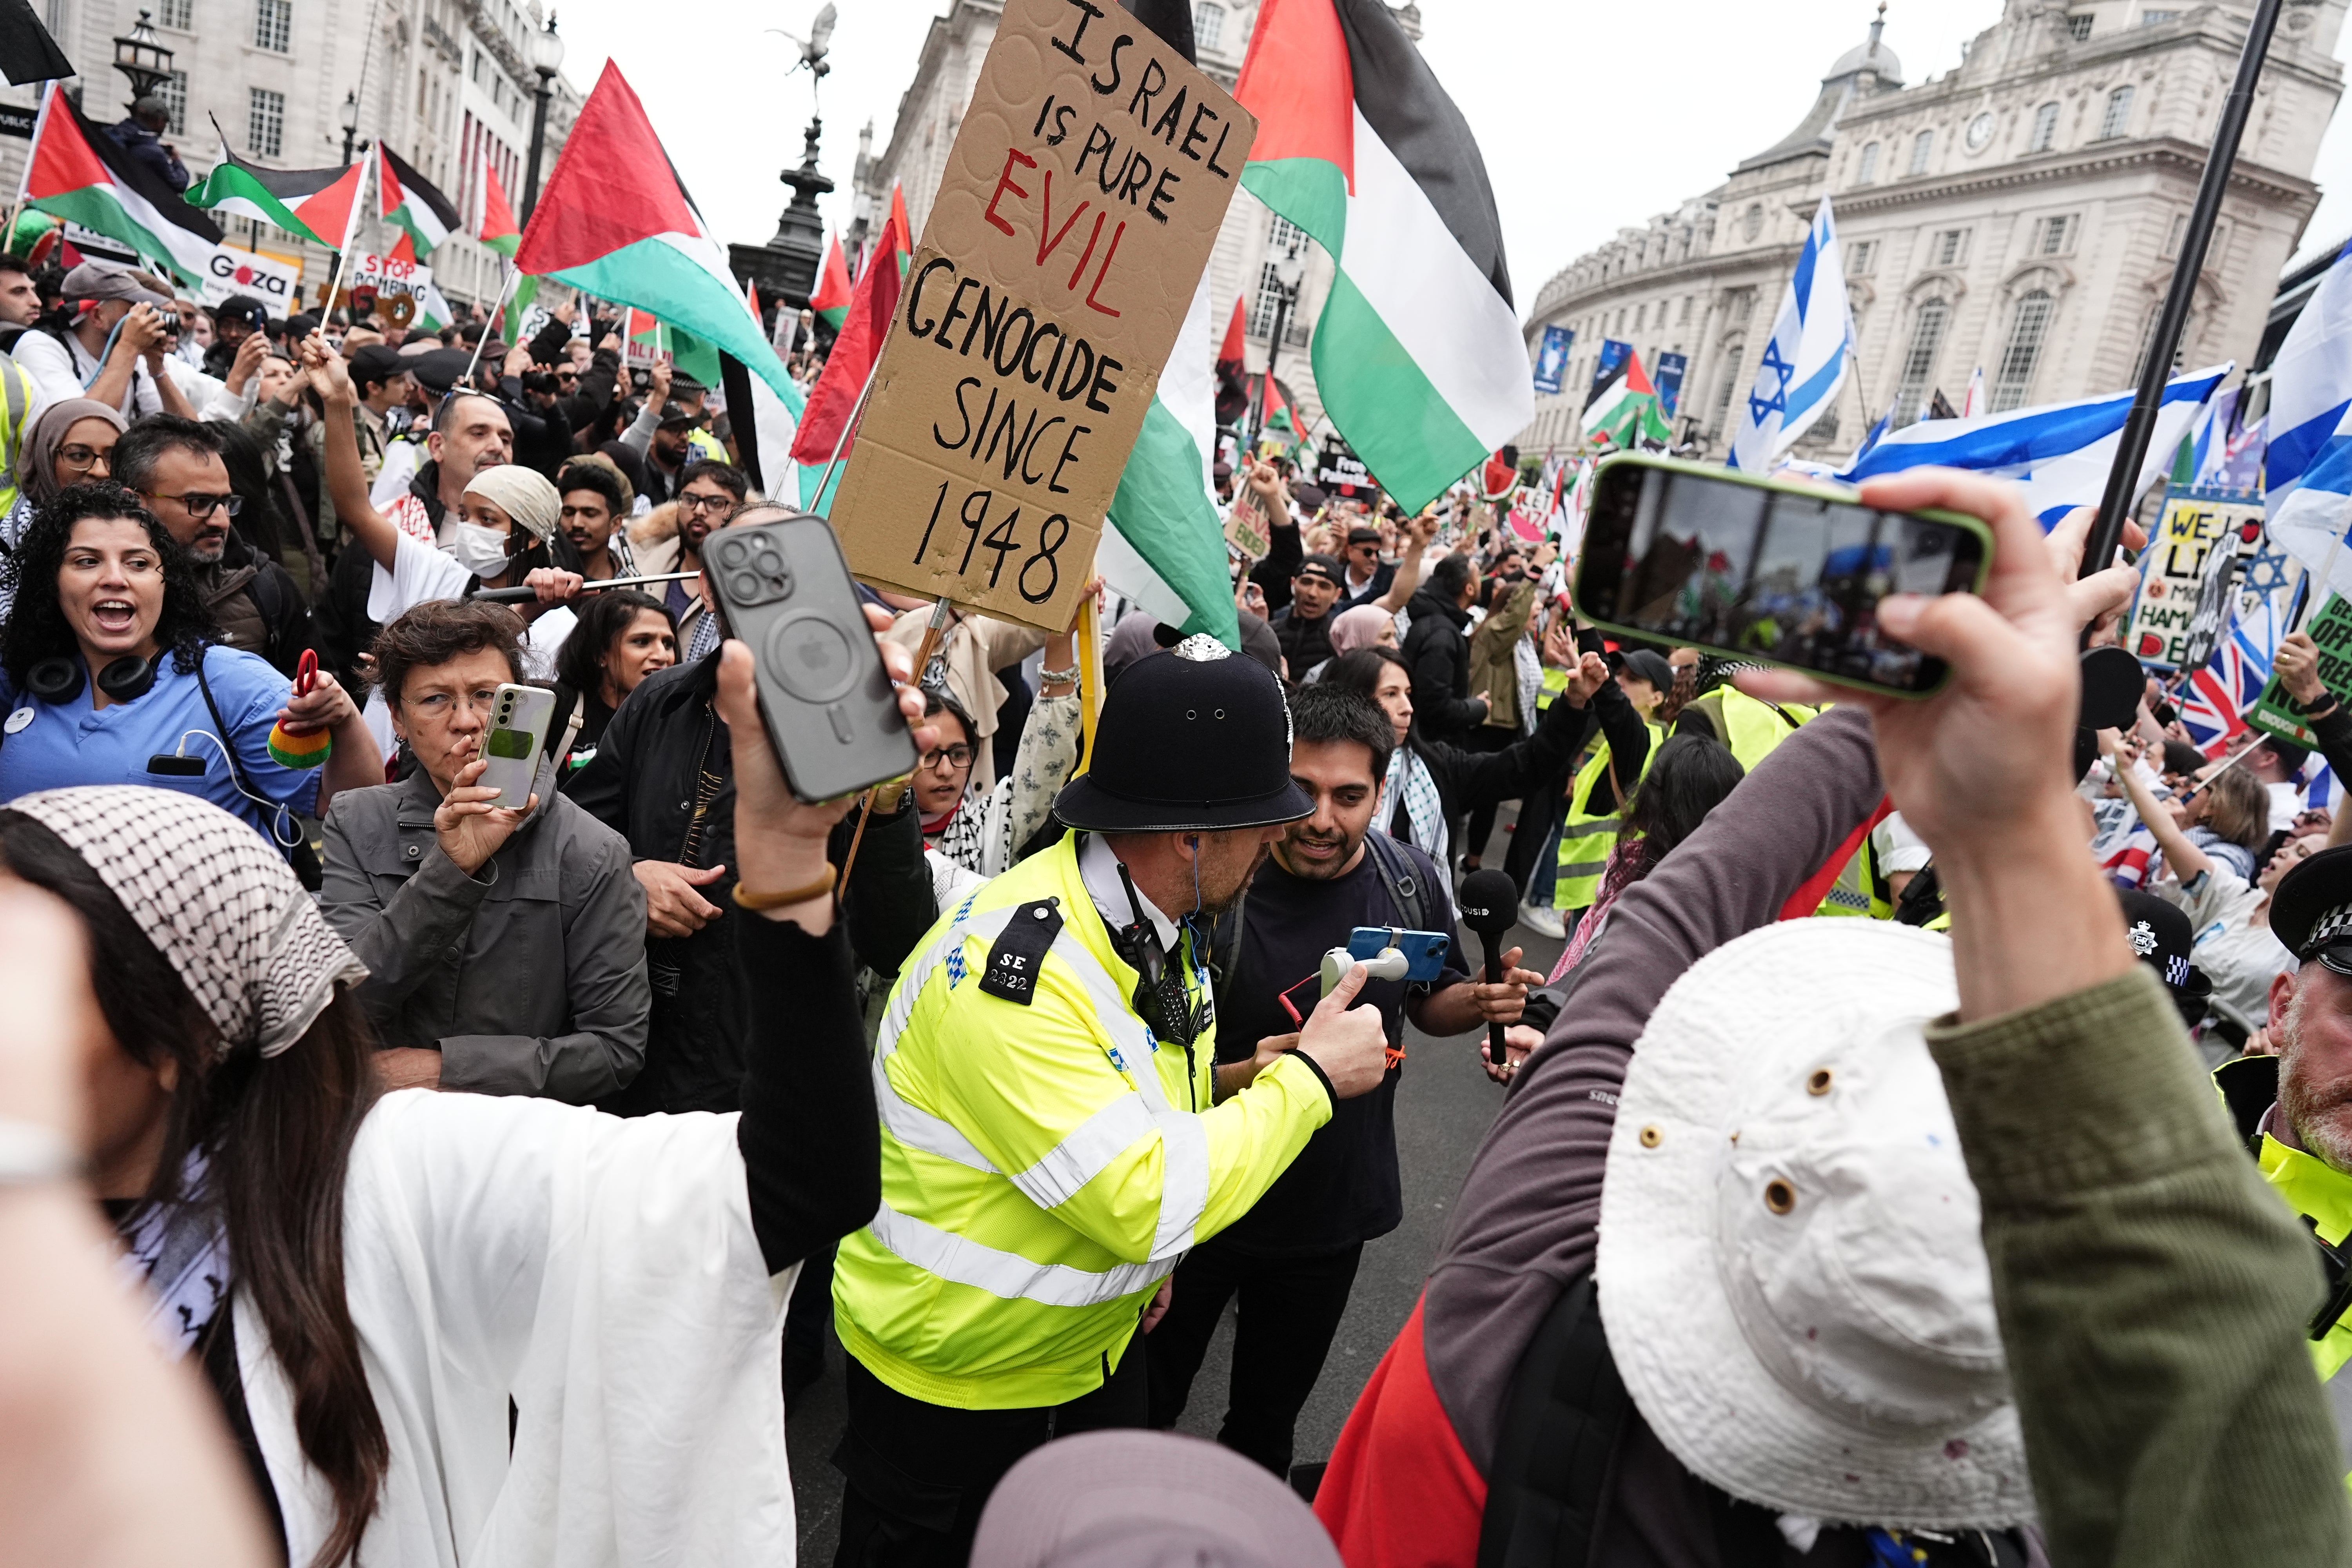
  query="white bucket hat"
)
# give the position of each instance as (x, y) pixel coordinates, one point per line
(1791, 1267)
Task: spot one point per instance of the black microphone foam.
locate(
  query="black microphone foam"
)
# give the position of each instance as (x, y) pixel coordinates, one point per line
(1489, 903)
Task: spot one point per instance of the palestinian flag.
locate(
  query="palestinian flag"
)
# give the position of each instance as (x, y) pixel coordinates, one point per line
(495, 224)
(872, 305)
(615, 222)
(413, 205)
(74, 170)
(518, 303)
(319, 205)
(1625, 409)
(830, 303)
(1417, 353)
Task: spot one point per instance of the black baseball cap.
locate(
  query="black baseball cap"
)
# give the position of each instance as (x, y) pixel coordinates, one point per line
(2311, 910)
(240, 307)
(1642, 664)
(378, 363)
(1326, 568)
(2163, 938)
(674, 413)
(1360, 534)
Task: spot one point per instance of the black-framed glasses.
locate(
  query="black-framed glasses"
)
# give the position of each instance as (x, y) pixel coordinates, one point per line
(957, 757)
(82, 459)
(202, 504)
(704, 503)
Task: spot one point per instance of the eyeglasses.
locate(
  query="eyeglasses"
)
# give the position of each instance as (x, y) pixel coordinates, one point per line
(200, 504)
(957, 758)
(82, 459)
(567, 375)
(704, 503)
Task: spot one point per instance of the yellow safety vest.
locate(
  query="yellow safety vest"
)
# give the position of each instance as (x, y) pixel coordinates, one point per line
(1860, 890)
(1585, 840)
(1555, 681)
(1753, 728)
(707, 445)
(16, 403)
(1044, 1166)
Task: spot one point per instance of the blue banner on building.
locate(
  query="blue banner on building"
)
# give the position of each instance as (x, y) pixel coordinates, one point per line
(1669, 381)
(1551, 358)
(1614, 353)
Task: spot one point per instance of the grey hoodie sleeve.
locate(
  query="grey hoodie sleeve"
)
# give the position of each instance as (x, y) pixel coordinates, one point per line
(1523, 1226)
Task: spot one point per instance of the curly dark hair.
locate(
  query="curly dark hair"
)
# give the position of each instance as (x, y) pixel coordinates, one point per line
(440, 630)
(38, 627)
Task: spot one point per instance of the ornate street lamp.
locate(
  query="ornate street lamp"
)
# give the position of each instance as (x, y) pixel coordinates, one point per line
(351, 118)
(142, 57)
(546, 58)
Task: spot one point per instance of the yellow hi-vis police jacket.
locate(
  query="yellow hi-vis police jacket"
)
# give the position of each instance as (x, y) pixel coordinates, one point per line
(1044, 1166)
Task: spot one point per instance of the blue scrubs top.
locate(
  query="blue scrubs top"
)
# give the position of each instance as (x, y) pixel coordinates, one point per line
(52, 747)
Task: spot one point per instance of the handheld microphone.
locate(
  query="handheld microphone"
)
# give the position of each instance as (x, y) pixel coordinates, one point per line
(1489, 903)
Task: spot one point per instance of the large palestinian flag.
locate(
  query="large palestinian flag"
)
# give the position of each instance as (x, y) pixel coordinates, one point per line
(410, 203)
(614, 221)
(494, 223)
(75, 170)
(319, 205)
(830, 303)
(1418, 356)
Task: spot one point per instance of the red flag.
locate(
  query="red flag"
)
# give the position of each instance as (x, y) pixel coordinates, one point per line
(830, 303)
(1230, 355)
(872, 304)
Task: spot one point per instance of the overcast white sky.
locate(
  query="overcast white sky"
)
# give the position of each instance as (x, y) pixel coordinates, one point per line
(1589, 120)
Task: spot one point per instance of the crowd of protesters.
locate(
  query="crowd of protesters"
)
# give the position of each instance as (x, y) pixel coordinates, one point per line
(491, 1176)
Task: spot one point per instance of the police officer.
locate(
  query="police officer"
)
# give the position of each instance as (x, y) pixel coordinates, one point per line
(1052, 1142)
(2292, 1108)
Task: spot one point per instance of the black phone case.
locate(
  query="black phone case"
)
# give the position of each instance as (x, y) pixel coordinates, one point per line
(826, 698)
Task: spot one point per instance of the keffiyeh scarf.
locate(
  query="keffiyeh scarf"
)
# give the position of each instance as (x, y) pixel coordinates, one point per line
(1409, 781)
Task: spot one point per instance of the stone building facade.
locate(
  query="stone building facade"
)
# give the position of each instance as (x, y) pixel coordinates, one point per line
(442, 77)
(2018, 215)
(1240, 266)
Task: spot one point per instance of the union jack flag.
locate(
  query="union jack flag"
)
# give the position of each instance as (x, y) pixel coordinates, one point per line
(2218, 694)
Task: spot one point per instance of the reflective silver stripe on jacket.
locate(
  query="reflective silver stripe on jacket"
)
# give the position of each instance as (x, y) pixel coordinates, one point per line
(962, 1261)
(1096, 1143)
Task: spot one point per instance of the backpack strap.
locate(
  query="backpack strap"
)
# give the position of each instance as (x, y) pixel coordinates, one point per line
(1568, 1410)
(1400, 878)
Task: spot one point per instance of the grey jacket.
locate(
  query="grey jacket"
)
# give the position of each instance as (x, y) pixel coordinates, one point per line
(529, 977)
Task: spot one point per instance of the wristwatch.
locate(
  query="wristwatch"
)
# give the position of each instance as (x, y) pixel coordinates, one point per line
(31, 1153)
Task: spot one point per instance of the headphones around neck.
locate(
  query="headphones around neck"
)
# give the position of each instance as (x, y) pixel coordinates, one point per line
(59, 680)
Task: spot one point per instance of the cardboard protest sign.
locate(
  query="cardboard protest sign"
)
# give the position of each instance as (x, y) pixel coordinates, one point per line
(2275, 712)
(1245, 529)
(275, 280)
(399, 287)
(1081, 200)
(2180, 563)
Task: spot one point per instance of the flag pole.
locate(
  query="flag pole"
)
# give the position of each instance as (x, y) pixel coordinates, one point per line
(505, 289)
(856, 413)
(2139, 427)
(351, 238)
(931, 635)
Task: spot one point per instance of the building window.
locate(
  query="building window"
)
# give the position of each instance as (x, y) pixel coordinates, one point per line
(174, 91)
(2151, 18)
(1861, 257)
(2079, 27)
(2057, 234)
(1869, 164)
(1919, 361)
(173, 14)
(2118, 118)
(2173, 236)
(1951, 247)
(1285, 238)
(1684, 318)
(1640, 317)
(2026, 331)
(2046, 129)
(265, 121)
(1923, 147)
(1208, 25)
(1731, 388)
(1754, 221)
(273, 25)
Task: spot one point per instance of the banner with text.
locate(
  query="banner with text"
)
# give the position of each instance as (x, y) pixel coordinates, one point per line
(2189, 566)
(1081, 199)
(1551, 358)
(275, 280)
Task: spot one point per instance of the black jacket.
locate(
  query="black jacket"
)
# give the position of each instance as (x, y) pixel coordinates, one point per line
(285, 619)
(643, 784)
(1437, 651)
(1467, 780)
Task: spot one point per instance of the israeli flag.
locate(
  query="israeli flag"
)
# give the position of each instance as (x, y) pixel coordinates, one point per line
(1804, 360)
(2060, 452)
(2309, 498)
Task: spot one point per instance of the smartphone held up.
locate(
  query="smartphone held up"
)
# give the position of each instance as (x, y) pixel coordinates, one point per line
(1774, 571)
(785, 591)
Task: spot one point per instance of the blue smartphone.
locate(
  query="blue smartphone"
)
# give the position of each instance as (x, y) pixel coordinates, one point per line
(1424, 950)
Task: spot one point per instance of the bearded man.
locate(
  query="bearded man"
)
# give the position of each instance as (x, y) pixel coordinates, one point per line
(1292, 1258)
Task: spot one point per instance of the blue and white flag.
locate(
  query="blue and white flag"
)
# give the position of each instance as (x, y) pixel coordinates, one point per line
(1804, 360)
(2309, 499)
(2061, 453)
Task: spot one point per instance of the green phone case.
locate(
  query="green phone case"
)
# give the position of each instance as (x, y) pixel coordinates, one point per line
(1792, 487)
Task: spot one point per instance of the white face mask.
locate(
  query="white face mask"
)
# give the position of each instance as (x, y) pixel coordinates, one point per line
(481, 551)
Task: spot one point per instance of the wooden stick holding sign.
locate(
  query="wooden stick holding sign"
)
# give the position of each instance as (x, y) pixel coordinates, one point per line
(1081, 202)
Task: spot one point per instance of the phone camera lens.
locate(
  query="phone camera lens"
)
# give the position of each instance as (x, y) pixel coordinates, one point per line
(730, 551)
(745, 588)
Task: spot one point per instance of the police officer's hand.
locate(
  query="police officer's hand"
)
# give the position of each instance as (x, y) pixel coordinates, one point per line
(1346, 1041)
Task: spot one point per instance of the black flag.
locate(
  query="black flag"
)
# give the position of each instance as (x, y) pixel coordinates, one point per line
(28, 53)
(1172, 19)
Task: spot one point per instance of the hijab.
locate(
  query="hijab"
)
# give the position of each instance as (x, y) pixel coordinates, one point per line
(37, 465)
(1358, 628)
(524, 494)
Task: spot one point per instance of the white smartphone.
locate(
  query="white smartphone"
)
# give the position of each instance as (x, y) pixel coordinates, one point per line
(519, 719)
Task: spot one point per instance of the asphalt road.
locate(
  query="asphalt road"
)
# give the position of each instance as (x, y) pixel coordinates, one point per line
(1444, 1107)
